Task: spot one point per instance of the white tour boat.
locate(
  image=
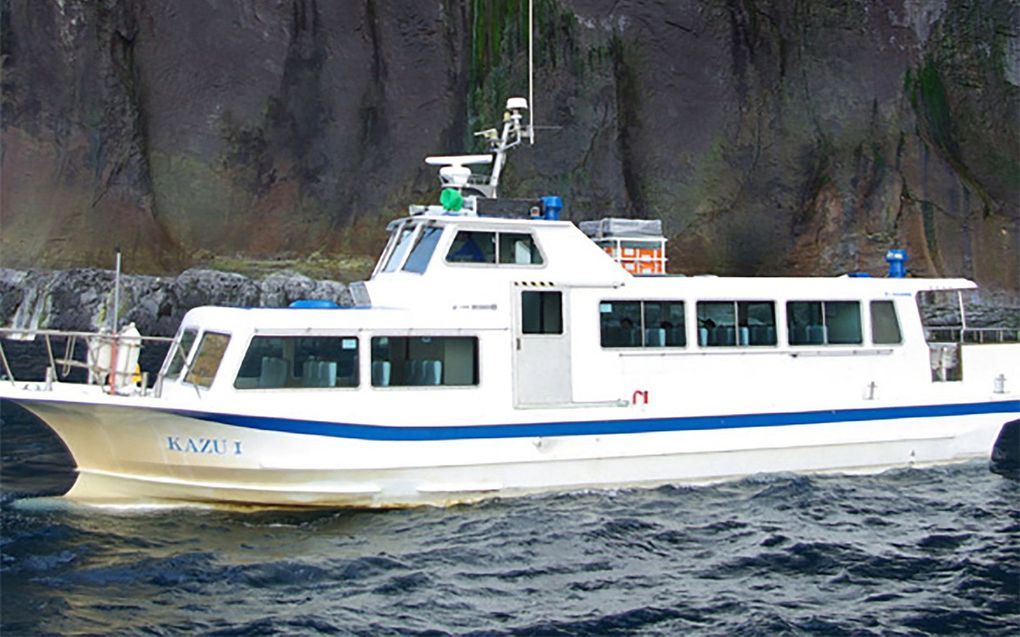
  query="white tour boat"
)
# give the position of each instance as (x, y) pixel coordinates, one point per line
(497, 351)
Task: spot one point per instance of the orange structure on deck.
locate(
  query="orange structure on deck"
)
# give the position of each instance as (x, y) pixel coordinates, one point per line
(637, 256)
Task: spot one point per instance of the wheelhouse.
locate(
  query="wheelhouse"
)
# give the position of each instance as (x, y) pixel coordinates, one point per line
(415, 240)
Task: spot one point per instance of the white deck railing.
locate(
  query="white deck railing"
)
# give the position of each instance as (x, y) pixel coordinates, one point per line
(960, 334)
(109, 359)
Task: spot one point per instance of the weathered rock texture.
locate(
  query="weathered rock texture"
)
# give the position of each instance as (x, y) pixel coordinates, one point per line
(772, 136)
(82, 299)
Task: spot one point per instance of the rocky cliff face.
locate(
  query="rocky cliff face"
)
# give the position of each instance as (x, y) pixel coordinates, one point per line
(772, 136)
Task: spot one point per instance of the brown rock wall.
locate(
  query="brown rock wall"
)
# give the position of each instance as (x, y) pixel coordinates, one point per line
(772, 136)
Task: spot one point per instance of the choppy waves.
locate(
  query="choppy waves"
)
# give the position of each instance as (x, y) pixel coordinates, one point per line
(933, 551)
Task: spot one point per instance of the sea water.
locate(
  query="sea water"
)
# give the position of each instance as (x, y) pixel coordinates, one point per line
(908, 552)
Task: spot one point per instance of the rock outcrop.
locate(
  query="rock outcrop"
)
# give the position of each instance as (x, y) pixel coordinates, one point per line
(771, 136)
(82, 299)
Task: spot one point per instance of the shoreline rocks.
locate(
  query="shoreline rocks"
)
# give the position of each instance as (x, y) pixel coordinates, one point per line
(82, 298)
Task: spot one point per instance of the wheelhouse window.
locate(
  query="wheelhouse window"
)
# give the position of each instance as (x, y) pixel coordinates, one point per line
(518, 248)
(824, 322)
(885, 327)
(736, 323)
(413, 361)
(473, 247)
(401, 245)
(207, 359)
(508, 248)
(642, 324)
(424, 246)
(541, 312)
(275, 362)
(179, 355)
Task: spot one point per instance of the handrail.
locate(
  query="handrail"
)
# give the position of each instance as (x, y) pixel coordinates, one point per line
(19, 333)
(964, 334)
(98, 369)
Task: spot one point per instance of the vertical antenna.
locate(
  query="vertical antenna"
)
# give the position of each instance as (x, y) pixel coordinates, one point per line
(116, 292)
(531, 71)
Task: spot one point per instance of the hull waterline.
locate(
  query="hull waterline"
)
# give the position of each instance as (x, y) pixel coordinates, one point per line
(137, 454)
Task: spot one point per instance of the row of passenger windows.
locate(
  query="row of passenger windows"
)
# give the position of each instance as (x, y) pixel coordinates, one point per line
(332, 361)
(415, 243)
(274, 362)
(277, 362)
(744, 323)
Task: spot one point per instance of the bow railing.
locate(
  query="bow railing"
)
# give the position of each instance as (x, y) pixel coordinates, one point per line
(109, 359)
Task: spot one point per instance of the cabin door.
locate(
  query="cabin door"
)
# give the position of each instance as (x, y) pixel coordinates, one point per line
(542, 369)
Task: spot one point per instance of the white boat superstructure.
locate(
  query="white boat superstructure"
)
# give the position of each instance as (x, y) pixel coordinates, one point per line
(498, 351)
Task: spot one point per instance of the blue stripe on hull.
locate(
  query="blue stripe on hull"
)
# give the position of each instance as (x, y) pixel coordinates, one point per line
(600, 427)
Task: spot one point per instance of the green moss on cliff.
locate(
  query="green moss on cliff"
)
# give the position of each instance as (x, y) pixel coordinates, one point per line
(928, 96)
(499, 49)
(497, 36)
(496, 24)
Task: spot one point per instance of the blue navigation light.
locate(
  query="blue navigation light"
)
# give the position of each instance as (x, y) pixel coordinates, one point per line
(551, 207)
(897, 260)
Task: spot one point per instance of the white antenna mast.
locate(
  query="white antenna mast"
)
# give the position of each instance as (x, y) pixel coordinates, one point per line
(531, 71)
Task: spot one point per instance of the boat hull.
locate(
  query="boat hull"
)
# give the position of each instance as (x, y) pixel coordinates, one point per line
(137, 453)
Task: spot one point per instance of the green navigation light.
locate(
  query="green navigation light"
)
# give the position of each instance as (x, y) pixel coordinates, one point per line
(451, 199)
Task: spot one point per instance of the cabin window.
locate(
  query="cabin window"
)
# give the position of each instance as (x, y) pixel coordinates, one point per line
(620, 323)
(508, 248)
(736, 323)
(274, 362)
(423, 248)
(400, 249)
(541, 312)
(518, 248)
(179, 356)
(664, 324)
(473, 247)
(642, 324)
(824, 322)
(414, 361)
(885, 327)
(207, 359)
